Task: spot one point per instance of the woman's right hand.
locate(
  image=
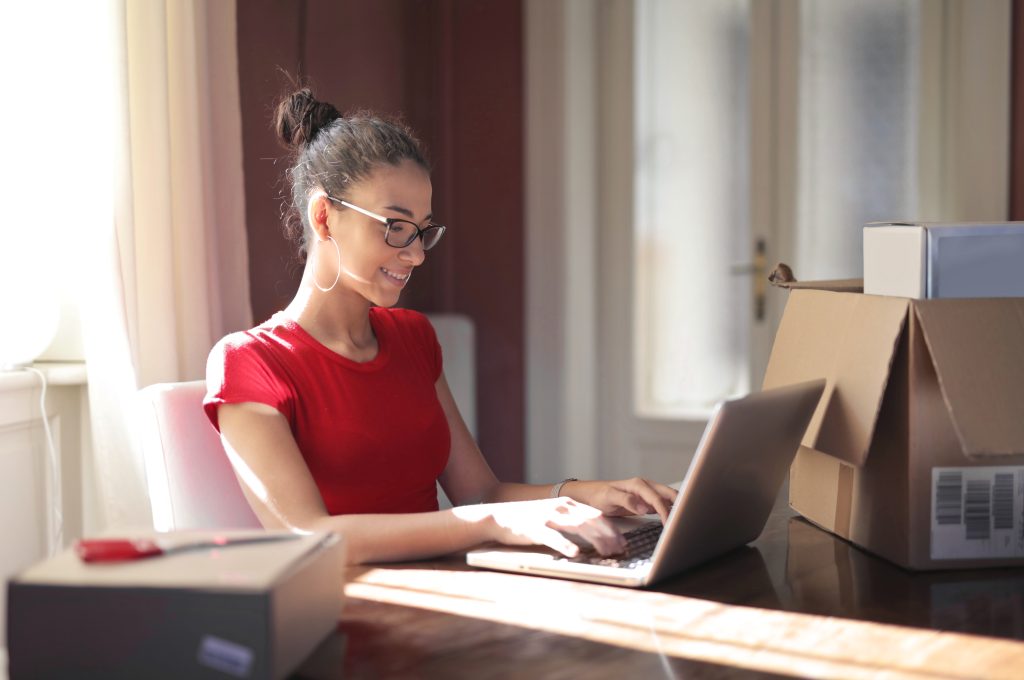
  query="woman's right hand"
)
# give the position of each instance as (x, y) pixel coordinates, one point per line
(540, 522)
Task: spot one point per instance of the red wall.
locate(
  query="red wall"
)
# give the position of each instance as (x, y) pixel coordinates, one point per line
(453, 70)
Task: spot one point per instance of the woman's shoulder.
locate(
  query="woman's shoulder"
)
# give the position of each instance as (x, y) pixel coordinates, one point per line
(257, 340)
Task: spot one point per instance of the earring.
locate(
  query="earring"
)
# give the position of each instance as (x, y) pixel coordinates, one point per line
(337, 276)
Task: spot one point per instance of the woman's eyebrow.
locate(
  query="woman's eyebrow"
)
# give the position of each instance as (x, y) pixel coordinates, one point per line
(405, 211)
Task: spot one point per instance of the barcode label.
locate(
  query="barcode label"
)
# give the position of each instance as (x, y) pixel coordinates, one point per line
(977, 512)
(949, 496)
(1002, 502)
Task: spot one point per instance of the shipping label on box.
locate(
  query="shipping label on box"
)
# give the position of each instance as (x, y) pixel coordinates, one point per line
(977, 512)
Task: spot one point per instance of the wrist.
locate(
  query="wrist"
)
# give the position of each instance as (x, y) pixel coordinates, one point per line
(476, 522)
(559, 488)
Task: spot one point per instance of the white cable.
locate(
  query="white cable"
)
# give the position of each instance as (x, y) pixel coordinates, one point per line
(56, 528)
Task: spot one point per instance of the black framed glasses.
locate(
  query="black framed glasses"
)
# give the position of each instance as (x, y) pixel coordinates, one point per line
(400, 233)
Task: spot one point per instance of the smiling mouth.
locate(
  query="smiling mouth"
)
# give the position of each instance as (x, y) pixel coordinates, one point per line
(397, 278)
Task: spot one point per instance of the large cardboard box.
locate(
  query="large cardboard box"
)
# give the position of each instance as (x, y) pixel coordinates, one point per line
(926, 260)
(916, 452)
(246, 611)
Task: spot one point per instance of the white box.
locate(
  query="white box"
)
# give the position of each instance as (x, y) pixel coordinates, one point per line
(944, 260)
(253, 610)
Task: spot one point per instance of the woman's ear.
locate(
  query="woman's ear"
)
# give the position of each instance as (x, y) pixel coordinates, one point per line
(316, 212)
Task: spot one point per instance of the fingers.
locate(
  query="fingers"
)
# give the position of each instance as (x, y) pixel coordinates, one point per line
(590, 524)
(664, 491)
(541, 521)
(599, 532)
(628, 503)
(635, 496)
(649, 497)
(556, 541)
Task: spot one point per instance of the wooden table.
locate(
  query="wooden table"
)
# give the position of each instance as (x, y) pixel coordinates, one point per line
(797, 602)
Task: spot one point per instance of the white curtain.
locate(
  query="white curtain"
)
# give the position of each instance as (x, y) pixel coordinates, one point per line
(170, 274)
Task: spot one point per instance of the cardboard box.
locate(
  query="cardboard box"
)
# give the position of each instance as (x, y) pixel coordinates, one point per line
(925, 260)
(245, 611)
(916, 452)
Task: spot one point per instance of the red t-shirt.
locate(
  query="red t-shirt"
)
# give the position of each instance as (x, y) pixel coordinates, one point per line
(373, 434)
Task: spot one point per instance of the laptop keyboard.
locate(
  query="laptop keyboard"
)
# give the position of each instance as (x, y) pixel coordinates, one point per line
(640, 544)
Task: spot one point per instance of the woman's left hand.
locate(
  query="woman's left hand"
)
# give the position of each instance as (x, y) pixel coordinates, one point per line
(634, 496)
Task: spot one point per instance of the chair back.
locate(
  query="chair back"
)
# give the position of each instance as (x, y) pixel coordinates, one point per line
(191, 482)
(456, 335)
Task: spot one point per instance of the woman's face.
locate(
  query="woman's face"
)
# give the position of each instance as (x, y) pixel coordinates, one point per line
(369, 266)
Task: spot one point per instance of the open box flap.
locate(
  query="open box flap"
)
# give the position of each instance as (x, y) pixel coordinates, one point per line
(835, 285)
(850, 340)
(977, 348)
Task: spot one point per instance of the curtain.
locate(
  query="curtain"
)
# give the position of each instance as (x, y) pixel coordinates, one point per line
(170, 272)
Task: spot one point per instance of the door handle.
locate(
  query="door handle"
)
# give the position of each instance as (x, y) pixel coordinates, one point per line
(759, 271)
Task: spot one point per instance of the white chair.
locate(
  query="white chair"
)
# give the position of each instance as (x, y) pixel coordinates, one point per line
(191, 482)
(455, 334)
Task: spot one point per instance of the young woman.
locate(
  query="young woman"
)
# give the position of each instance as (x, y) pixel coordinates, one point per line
(335, 412)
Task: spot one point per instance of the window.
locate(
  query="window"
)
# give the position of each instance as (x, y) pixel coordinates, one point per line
(57, 60)
(792, 124)
(857, 112)
(692, 219)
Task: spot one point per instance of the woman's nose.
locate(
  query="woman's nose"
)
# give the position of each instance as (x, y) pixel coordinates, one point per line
(414, 252)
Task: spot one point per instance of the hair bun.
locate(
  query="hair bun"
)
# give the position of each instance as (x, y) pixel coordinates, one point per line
(299, 117)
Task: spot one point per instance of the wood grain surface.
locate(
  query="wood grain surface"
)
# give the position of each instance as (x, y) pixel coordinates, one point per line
(798, 602)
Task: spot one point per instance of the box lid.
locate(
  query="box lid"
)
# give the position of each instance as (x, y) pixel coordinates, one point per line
(939, 226)
(849, 339)
(976, 346)
(249, 567)
(977, 349)
(836, 285)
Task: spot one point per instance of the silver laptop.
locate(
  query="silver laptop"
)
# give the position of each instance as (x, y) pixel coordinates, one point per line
(724, 500)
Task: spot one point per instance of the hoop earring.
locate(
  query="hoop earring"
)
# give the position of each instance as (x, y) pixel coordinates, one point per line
(338, 276)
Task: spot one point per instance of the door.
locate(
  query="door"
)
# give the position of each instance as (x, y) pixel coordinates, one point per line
(684, 313)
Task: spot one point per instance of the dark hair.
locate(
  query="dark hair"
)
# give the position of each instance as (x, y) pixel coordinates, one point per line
(333, 152)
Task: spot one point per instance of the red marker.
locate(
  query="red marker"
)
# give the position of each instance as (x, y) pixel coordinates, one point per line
(124, 549)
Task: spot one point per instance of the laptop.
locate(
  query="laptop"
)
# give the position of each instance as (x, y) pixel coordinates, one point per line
(724, 500)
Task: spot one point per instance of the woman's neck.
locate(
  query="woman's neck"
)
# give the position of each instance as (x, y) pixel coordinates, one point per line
(338, 319)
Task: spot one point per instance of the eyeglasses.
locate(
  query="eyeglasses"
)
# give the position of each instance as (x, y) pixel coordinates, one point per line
(400, 233)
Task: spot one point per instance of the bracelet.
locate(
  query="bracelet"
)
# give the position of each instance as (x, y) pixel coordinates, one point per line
(556, 490)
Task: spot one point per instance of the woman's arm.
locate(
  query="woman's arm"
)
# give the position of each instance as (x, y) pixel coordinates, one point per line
(469, 479)
(282, 493)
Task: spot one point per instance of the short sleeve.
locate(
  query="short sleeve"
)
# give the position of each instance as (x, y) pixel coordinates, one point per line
(238, 371)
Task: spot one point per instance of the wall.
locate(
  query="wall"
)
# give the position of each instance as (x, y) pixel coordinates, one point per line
(453, 70)
(27, 492)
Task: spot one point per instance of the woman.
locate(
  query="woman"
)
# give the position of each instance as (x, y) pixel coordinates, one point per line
(335, 412)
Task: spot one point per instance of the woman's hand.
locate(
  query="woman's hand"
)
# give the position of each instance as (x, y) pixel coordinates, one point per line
(634, 496)
(540, 522)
